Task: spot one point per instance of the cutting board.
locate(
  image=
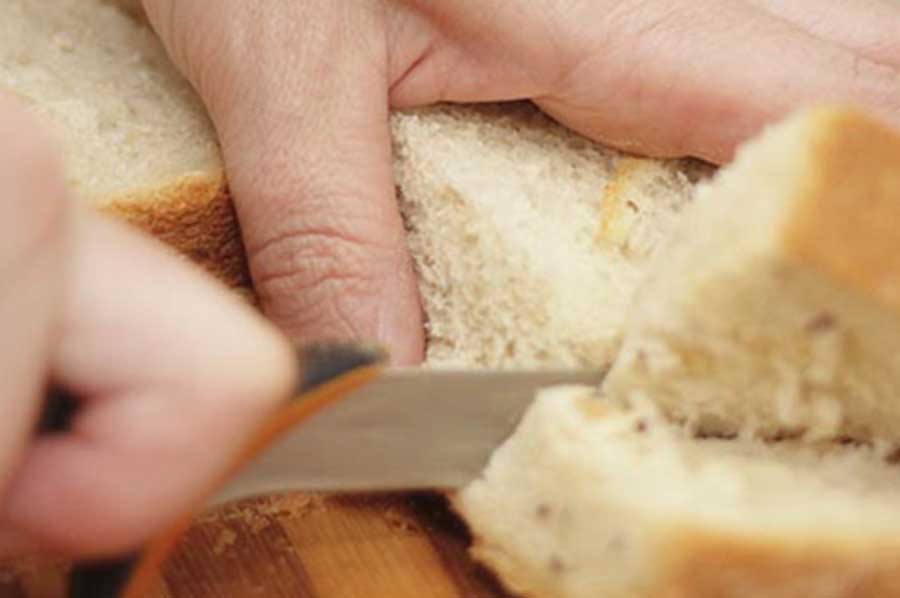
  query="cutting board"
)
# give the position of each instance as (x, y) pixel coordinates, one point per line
(306, 546)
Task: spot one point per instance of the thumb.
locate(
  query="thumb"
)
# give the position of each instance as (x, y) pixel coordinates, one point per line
(304, 129)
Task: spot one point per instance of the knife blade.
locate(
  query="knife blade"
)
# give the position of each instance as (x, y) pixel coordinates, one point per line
(408, 429)
(353, 425)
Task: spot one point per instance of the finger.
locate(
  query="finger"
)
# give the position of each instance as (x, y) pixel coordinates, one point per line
(178, 374)
(33, 223)
(478, 50)
(305, 135)
(655, 84)
(870, 28)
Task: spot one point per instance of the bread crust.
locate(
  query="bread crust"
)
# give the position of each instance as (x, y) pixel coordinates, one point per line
(702, 564)
(856, 158)
(195, 216)
(696, 563)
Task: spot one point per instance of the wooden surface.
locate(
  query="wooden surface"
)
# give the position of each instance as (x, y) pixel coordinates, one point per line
(306, 547)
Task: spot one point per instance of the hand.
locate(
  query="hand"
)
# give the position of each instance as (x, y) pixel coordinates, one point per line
(174, 372)
(299, 91)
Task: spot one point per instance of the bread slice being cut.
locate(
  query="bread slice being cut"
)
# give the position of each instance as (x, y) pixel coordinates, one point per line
(771, 310)
(138, 143)
(529, 241)
(590, 501)
(776, 307)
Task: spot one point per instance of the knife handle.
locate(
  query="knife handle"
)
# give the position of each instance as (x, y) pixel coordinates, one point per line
(59, 410)
(328, 373)
(86, 580)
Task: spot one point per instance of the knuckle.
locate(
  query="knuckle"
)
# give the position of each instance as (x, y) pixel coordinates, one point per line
(320, 283)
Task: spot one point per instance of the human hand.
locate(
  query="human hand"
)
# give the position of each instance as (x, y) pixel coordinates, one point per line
(299, 91)
(174, 372)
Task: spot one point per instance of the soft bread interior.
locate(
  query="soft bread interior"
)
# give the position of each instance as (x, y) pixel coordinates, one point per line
(529, 240)
(128, 120)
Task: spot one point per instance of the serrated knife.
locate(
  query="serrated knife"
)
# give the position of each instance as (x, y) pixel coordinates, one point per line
(353, 426)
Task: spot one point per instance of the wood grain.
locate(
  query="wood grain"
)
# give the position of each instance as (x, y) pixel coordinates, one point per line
(306, 546)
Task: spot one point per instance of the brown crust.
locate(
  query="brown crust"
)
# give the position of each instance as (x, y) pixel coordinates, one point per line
(704, 564)
(710, 565)
(195, 216)
(847, 222)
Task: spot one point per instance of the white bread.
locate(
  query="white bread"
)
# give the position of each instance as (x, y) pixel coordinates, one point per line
(138, 142)
(776, 307)
(588, 501)
(528, 240)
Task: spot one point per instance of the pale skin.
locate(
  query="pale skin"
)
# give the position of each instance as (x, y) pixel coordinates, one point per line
(300, 91)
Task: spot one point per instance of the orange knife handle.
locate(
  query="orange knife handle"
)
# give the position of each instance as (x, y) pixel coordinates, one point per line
(328, 374)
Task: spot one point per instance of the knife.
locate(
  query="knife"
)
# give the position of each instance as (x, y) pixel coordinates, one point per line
(354, 425)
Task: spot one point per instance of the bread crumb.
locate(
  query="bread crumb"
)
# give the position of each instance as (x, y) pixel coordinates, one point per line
(260, 513)
(225, 540)
(399, 521)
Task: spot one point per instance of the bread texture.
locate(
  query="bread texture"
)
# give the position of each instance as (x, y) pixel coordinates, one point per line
(590, 501)
(770, 313)
(529, 240)
(775, 310)
(138, 143)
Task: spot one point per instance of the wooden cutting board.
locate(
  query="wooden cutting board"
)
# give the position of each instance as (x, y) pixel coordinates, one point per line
(299, 546)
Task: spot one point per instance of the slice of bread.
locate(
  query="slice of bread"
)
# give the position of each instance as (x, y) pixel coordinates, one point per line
(589, 501)
(138, 142)
(776, 308)
(529, 240)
